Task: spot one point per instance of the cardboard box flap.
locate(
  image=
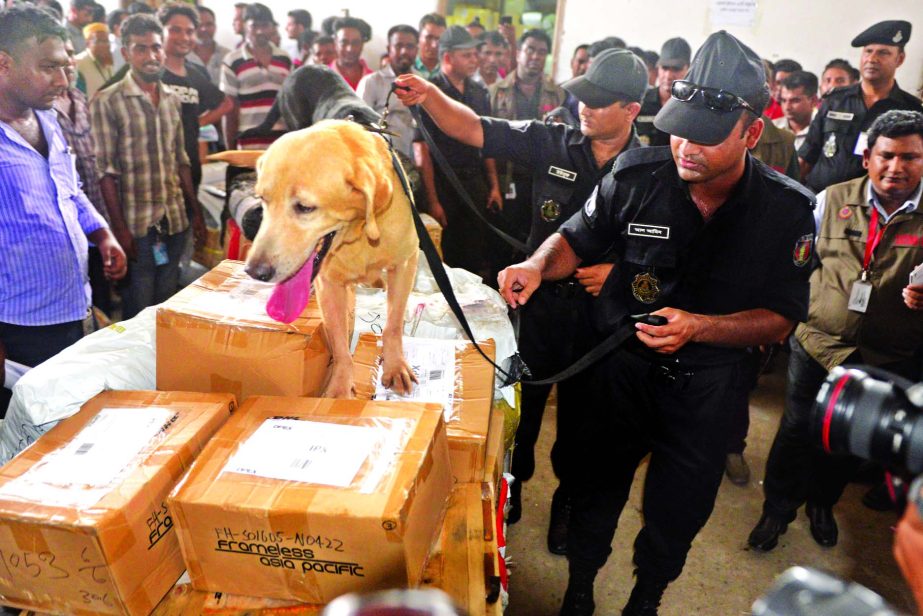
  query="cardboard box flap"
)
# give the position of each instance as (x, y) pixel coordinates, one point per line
(112, 452)
(449, 372)
(228, 295)
(335, 456)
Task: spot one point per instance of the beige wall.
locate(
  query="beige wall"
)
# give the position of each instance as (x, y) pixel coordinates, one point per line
(811, 32)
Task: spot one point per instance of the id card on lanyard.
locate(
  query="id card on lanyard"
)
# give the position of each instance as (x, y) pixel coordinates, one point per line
(862, 288)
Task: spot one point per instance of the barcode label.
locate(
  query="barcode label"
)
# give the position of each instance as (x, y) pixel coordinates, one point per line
(435, 375)
(84, 449)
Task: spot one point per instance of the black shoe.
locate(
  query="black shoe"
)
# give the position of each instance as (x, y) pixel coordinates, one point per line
(823, 525)
(878, 498)
(560, 519)
(645, 597)
(515, 511)
(578, 598)
(765, 535)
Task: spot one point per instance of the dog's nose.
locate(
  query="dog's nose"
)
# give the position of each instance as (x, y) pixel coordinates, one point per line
(261, 271)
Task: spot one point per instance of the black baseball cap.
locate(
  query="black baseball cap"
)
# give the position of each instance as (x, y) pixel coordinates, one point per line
(675, 53)
(613, 75)
(722, 63)
(456, 37)
(894, 32)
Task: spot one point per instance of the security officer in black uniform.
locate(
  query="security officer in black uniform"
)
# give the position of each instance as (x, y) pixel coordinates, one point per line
(566, 165)
(718, 244)
(832, 151)
(672, 65)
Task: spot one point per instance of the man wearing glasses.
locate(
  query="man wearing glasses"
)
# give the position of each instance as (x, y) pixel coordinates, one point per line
(718, 244)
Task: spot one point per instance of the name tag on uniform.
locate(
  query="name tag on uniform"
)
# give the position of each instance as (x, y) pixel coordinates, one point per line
(564, 174)
(859, 297)
(862, 143)
(652, 231)
(841, 115)
(648, 119)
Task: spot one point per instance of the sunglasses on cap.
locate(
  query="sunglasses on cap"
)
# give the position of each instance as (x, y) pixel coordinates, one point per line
(715, 99)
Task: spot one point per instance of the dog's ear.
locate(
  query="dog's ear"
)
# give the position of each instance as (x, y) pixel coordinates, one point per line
(375, 185)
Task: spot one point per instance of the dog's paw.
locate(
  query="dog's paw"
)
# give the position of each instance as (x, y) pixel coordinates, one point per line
(397, 376)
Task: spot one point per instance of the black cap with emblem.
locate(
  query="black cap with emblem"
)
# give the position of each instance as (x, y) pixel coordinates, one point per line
(894, 32)
(614, 75)
(726, 78)
(675, 53)
(456, 37)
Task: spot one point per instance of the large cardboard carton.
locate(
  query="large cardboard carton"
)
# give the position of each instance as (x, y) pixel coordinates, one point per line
(451, 373)
(308, 499)
(84, 528)
(215, 336)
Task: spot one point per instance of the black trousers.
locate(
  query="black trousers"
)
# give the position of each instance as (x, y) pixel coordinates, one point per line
(682, 418)
(31, 345)
(740, 424)
(464, 239)
(555, 331)
(798, 470)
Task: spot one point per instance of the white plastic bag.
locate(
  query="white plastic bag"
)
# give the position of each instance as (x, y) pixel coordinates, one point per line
(119, 357)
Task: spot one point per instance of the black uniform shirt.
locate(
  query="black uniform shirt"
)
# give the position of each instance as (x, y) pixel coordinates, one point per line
(647, 132)
(459, 155)
(753, 253)
(836, 129)
(563, 167)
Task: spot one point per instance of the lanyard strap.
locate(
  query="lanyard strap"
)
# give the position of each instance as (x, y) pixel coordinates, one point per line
(874, 238)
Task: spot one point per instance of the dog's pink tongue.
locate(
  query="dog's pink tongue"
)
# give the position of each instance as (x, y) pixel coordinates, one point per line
(289, 298)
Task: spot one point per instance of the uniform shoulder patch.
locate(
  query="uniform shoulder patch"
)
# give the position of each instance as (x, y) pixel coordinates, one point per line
(641, 156)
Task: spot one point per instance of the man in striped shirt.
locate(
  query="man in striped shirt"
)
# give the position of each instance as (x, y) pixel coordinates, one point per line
(145, 172)
(45, 219)
(252, 76)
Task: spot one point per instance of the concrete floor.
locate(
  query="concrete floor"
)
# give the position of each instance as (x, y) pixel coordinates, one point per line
(722, 577)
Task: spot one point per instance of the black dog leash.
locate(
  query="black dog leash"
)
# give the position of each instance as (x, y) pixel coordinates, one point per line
(518, 370)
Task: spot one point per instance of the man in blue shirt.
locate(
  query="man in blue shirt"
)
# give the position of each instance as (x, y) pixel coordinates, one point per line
(46, 220)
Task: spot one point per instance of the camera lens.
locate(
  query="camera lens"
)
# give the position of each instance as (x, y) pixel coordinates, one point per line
(866, 412)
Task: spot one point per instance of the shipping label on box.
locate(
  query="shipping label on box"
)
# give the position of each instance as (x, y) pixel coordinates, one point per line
(84, 525)
(215, 336)
(307, 499)
(449, 372)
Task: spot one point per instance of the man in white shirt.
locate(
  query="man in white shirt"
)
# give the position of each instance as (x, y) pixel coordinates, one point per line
(403, 43)
(798, 98)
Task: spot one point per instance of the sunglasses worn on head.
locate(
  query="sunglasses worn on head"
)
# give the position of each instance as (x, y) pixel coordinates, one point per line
(715, 99)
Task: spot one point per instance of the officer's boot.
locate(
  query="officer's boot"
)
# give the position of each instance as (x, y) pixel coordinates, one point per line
(645, 596)
(578, 598)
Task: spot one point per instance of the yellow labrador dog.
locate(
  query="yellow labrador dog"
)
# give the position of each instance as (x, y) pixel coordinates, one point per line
(334, 212)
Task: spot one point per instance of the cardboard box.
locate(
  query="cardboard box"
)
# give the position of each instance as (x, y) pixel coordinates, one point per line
(496, 451)
(105, 546)
(308, 499)
(215, 336)
(465, 387)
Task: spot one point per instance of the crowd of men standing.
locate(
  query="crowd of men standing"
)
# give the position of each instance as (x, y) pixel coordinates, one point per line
(667, 183)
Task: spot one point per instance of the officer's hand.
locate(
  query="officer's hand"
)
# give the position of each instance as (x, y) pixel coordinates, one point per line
(436, 211)
(411, 89)
(908, 550)
(495, 200)
(913, 297)
(593, 277)
(680, 329)
(518, 282)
